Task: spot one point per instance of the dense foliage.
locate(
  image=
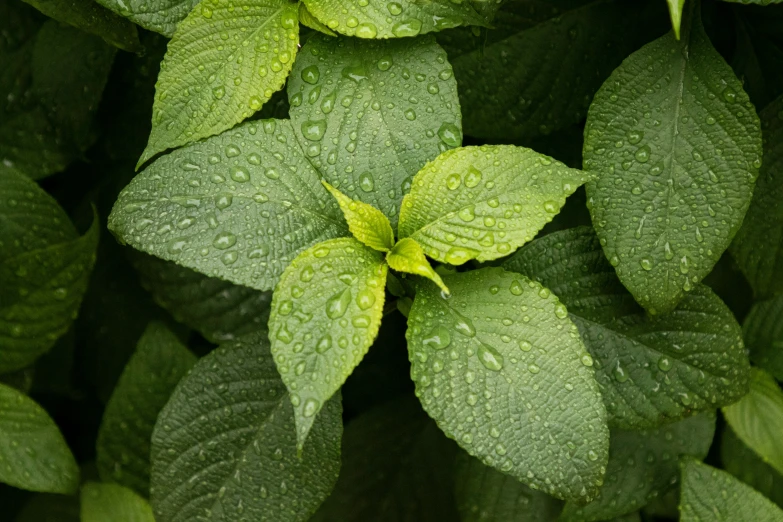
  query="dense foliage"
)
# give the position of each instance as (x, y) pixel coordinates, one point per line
(223, 221)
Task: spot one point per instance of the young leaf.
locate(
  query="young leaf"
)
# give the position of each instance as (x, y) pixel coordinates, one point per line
(408, 256)
(746, 465)
(487, 495)
(224, 446)
(497, 365)
(366, 223)
(123, 447)
(207, 85)
(675, 12)
(757, 418)
(707, 493)
(408, 17)
(643, 465)
(307, 19)
(536, 71)
(758, 243)
(161, 16)
(763, 332)
(651, 370)
(217, 309)
(113, 503)
(484, 202)
(396, 466)
(371, 114)
(238, 206)
(92, 18)
(44, 270)
(677, 146)
(326, 311)
(33, 452)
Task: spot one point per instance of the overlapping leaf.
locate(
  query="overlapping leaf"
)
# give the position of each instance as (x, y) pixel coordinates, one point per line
(407, 256)
(366, 223)
(677, 147)
(161, 16)
(113, 503)
(763, 332)
(746, 465)
(651, 370)
(498, 365)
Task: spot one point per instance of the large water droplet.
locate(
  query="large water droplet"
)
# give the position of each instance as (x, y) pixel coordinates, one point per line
(407, 28)
(314, 130)
(450, 134)
(337, 305)
(224, 240)
(311, 74)
(490, 357)
(439, 338)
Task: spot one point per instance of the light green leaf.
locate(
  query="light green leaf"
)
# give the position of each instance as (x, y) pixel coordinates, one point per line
(759, 241)
(33, 452)
(537, 69)
(396, 466)
(124, 438)
(394, 19)
(366, 223)
(675, 12)
(757, 418)
(487, 495)
(651, 369)
(326, 311)
(497, 365)
(224, 447)
(238, 206)
(161, 16)
(643, 465)
(44, 270)
(484, 202)
(763, 332)
(113, 503)
(219, 310)
(92, 18)
(207, 85)
(408, 256)
(707, 493)
(369, 115)
(677, 146)
(307, 19)
(746, 465)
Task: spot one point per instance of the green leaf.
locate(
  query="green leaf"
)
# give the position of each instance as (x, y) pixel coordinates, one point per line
(763, 332)
(207, 86)
(497, 365)
(759, 242)
(394, 19)
(92, 18)
(677, 147)
(113, 503)
(238, 206)
(44, 270)
(50, 507)
(219, 310)
(396, 466)
(651, 369)
(743, 463)
(707, 493)
(307, 19)
(369, 115)
(33, 452)
(408, 256)
(161, 16)
(675, 12)
(224, 447)
(486, 495)
(484, 202)
(123, 447)
(366, 223)
(537, 69)
(757, 418)
(643, 465)
(326, 311)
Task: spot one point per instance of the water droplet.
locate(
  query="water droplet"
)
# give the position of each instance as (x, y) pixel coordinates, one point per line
(450, 134)
(561, 311)
(365, 299)
(367, 182)
(516, 287)
(324, 344)
(385, 63)
(366, 30)
(729, 95)
(646, 263)
(410, 114)
(664, 364)
(407, 28)
(337, 305)
(642, 154)
(490, 357)
(394, 8)
(311, 74)
(314, 130)
(587, 360)
(438, 339)
(473, 177)
(355, 73)
(224, 240)
(310, 408)
(240, 174)
(458, 256)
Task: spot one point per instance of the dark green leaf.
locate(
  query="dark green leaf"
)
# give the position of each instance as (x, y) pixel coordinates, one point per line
(123, 447)
(677, 146)
(746, 465)
(651, 369)
(498, 365)
(113, 503)
(758, 56)
(49, 507)
(161, 16)
(369, 115)
(763, 332)
(33, 452)
(224, 447)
